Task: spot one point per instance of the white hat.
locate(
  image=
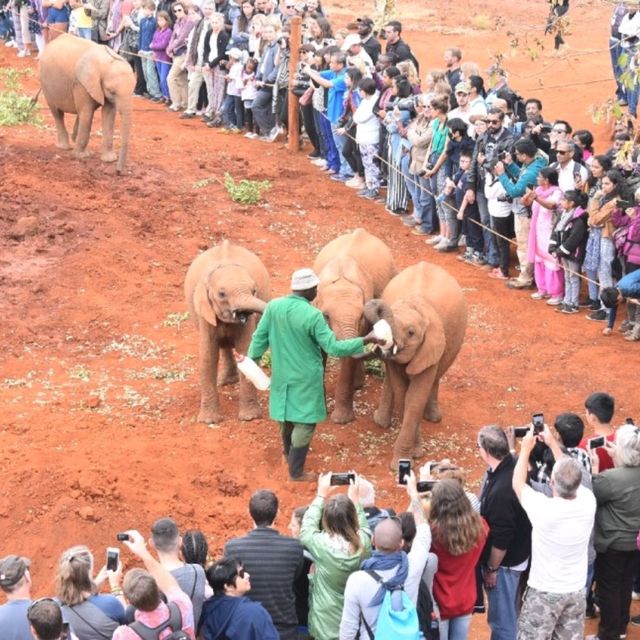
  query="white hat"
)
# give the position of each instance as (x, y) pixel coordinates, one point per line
(234, 52)
(350, 40)
(304, 279)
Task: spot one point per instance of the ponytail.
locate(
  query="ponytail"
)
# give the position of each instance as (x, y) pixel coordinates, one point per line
(73, 579)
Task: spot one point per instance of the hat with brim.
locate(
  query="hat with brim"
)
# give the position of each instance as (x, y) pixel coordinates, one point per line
(304, 279)
(463, 87)
(235, 53)
(12, 568)
(351, 40)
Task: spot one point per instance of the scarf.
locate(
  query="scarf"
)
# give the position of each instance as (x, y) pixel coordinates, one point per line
(382, 562)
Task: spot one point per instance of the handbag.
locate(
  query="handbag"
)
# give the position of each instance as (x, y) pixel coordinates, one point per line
(305, 98)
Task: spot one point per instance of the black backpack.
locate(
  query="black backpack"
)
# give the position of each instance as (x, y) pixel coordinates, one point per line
(429, 623)
(153, 633)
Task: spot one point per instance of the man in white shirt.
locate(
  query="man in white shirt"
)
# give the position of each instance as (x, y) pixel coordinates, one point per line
(554, 602)
(571, 175)
(357, 56)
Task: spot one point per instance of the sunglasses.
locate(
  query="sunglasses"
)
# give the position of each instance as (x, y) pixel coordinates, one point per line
(492, 121)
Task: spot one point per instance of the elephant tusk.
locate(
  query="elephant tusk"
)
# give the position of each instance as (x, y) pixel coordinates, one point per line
(394, 351)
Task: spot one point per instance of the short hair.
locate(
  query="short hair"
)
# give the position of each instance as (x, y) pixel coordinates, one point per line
(391, 72)
(141, 590)
(477, 82)
(494, 111)
(567, 126)
(628, 446)
(339, 57)
(571, 146)
(263, 507)
(457, 124)
(625, 137)
(494, 441)
(601, 405)
(368, 86)
(567, 477)
(527, 147)
(466, 153)
(535, 101)
(403, 86)
(455, 52)
(609, 297)
(396, 25)
(570, 427)
(45, 616)
(579, 198)
(150, 4)
(550, 174)
(165, 534)
(221, 574)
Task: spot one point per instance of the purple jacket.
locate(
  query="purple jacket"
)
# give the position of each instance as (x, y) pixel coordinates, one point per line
(631, 247)
(159, 44)
(178, 44)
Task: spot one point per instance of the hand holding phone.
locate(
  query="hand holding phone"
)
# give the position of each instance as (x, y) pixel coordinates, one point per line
(424, 486)
(595, 443)
(113, 559)
(537, 419)
(404, 469)
(342, 479)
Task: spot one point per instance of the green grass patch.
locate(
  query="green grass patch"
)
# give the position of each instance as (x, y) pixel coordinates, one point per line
(16, 108)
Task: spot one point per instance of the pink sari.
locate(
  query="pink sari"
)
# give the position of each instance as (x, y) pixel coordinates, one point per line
(542, 223)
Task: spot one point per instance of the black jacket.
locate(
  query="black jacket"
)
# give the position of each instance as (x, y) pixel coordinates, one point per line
(509, 526)
(490, 145)
(402, 51)
(372, 47)
(571, 242)
(223, 40)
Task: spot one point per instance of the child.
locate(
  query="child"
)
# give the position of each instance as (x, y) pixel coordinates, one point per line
(248, 79)
(159, 44)
(368, 137)
(232, 109)
(469, 213)
(147, 29)
(568, 242)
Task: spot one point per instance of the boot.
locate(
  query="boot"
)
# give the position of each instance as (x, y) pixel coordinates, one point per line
(297, 457)
(286, 444)
(634, 336)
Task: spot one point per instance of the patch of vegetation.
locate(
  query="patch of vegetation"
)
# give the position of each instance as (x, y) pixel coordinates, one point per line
(245, 191)
(201, 184)
(79, 372)
(482, 22)
(375, 367)
(16, 108)
(265, 361)
(175, 319)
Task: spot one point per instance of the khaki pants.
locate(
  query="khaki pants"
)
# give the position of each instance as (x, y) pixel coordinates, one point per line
(177, 81)
(196, 78)
(522, 225)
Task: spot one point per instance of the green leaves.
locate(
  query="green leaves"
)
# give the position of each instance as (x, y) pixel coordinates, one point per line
(15, 107)
(245, 191)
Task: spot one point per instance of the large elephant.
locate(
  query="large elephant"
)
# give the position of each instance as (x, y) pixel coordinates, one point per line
(225, 287)
(79, 76)
(353, 269)
(427, 311)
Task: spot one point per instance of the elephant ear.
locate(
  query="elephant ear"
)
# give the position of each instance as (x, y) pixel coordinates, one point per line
(202, 304)
(433, 343)
(88, 75)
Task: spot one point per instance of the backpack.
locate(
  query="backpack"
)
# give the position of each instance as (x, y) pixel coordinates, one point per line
(427, 618)
(153, 633)
(394, 624)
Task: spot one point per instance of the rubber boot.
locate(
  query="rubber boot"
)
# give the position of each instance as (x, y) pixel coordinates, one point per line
(297, 457)
(286, 444)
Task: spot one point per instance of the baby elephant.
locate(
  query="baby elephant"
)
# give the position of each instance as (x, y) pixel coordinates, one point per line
(225, 287)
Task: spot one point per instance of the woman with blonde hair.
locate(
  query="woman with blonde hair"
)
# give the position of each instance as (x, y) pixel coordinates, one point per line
(433, 77)
(408, 69)
(336, 533)
(470, 69)
(91, 616)
(458, 537)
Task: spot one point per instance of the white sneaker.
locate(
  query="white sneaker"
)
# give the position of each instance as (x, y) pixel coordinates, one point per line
(23, 53)
(443, 244)
(635, 595)
(355, 183)
(554, 302)
(434, 240)
(11, 43)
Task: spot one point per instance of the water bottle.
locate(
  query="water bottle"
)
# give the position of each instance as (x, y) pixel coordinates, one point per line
(382, 330)
(252, 372)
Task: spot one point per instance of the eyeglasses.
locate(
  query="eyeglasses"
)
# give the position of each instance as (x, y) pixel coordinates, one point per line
(35, 603)
(559, 130)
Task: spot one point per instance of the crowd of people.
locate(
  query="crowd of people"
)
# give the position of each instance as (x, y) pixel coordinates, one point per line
(459, 157)
(549, 523)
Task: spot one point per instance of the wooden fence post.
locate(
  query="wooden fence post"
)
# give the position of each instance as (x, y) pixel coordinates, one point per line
(295, 41)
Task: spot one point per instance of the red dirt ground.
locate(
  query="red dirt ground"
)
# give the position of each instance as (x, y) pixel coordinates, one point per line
(99, 392)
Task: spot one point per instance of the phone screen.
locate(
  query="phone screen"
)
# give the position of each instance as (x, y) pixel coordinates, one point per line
(113, 555)
(342, 479)
(425, 485)
(538, 422)
(404, 469)
(594, 443)
(520, 432)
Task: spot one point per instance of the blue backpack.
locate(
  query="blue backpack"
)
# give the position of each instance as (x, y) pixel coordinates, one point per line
(395, 624)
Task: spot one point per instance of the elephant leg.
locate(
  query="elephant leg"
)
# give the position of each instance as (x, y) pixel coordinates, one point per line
(85, 118)
(384, 412)
(358, 374)
(343, 411)
(74, 133)
(229, 373)
(249, 409)
(63, 136)
(415, 401)
(432, 411)
(209, 353)
(108, 123)
(418, 447)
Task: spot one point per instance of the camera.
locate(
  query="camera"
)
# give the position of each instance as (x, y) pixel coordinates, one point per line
(122, 537)
(424, 486)
(537, 419)
(342, 479)
(520, 432)
(504, 198)
(404, 469)
(407, 104)
(545, 128)
(596, 442)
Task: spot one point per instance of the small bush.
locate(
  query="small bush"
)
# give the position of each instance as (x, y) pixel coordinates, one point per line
(245, 191)
(482, 22)
(16, 108)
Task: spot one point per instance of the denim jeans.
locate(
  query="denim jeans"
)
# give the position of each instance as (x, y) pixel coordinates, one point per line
(456, 628)
(151, 75)
(615, 50)
(163, 69)
(607, 254)
(339, 140)
(333, 156)
(501, 615)
(233, 112)
(425, 209)
(490, 245)
(630, 285)
(84, 32)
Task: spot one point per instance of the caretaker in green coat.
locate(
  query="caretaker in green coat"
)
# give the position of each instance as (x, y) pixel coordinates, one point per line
(298, 334)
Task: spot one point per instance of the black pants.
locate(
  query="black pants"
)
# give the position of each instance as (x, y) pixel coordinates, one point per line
(614, 578)
(310, 126)
(351, 153)
(504, 227)
(141, 85)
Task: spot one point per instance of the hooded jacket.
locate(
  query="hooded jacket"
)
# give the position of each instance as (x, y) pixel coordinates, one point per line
(236, 618)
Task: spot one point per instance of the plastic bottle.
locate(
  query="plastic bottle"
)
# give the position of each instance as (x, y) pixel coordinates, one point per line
(252, 372)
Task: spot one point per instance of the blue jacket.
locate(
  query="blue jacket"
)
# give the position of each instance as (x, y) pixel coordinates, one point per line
(236, 618)
(147, 28)
(516, 179)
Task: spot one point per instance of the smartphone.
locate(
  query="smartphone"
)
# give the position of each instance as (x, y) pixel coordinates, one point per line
(520, 432)
(342, 479)
(121, 537)
(113, 558)
(537, 420)
(596, 442)
(424, 486)
(404, 469)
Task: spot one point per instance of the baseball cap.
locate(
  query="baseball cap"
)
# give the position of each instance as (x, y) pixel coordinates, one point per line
(350, 40)
(235, 53)
(463, 87)
(12, 568)
(304, 279)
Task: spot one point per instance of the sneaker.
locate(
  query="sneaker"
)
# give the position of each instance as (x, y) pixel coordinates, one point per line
(251, 135)
(187, 115)
(23, 53)
(635, 621)
(313, 155)
(478, 261)
(235, 130)
(587, 303)
(595, 305)
(340, 178)
(554, 302)
(462, 241)
(363, 192)
(465, 255)
(569, 308)
(516, 283)
(272, 136)
(355, 183)
(418, 231)
(598, 315)
(409, 221)
(157, 99)
(372, 194)
(10, 43)
(538, 295)
(446, 247)
(434, 240)
(393, 213)
(173, 107)
(319, 162)
(496, 274)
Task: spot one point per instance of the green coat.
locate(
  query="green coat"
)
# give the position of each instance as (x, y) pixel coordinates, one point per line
(297, 334)
(333, 567)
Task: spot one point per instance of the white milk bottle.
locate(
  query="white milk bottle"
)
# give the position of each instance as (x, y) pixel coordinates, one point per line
(252, 372)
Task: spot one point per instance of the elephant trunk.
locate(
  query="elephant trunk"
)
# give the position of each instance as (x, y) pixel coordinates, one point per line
(376, 310)
(125, 130)
(250, 304)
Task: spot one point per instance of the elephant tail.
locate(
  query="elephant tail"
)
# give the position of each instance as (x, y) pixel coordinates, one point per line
(34, 100)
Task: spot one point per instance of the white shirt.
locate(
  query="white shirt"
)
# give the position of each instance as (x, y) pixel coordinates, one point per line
(492, 191)
(559, 539)
(566, 180)
(629, 27)
(367, 122)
